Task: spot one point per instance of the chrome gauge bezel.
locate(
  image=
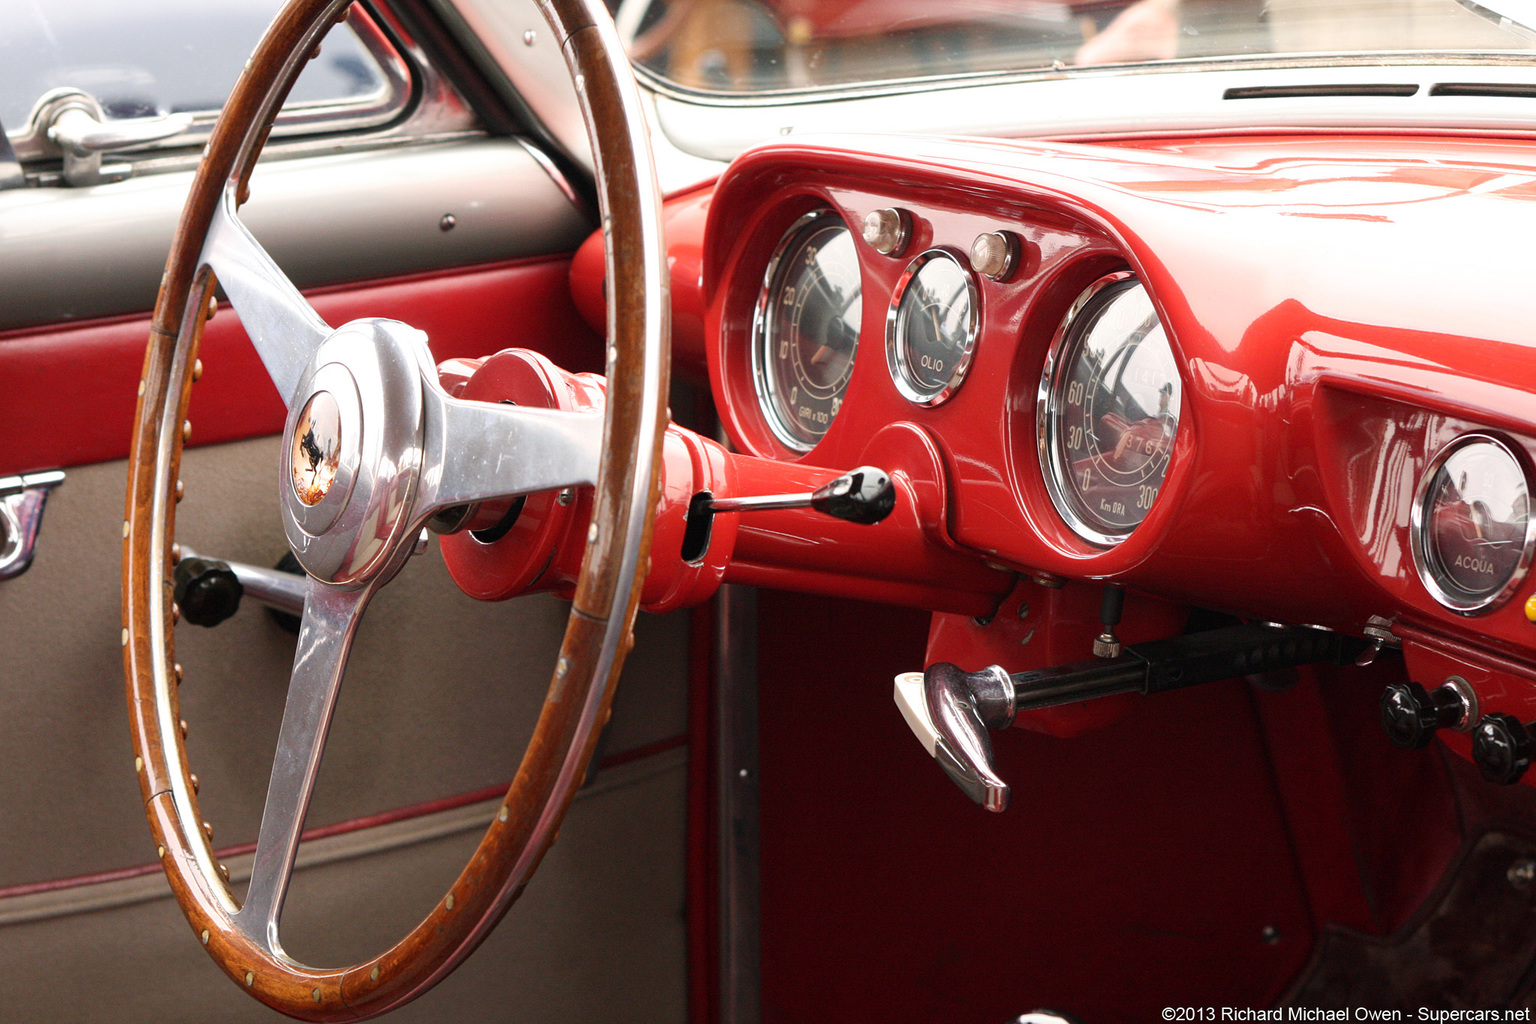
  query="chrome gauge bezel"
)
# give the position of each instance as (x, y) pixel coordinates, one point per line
(1048, 414)
(763, 320)
(902, 374)
(1424, 559)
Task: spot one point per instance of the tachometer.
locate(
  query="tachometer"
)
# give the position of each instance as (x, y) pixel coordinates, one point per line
(1108, 410)
(807, 329)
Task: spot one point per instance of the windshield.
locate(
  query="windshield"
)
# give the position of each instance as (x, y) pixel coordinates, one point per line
(745, 46)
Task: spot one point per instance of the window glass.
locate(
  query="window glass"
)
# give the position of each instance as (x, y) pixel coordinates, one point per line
(142, 58)
(758, 45)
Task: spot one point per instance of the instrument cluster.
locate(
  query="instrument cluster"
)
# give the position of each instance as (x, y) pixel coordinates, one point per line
(1035, 359)
(1106, 383)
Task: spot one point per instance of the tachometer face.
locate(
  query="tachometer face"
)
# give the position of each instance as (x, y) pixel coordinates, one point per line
(1108, 411)
(807, 329)
(1472, 529)
(931, 328)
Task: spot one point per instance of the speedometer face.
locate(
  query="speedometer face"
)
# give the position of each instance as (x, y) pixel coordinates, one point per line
(807, 329)
(1109, 411)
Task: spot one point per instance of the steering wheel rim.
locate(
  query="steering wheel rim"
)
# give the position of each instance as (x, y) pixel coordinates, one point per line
(299, 349)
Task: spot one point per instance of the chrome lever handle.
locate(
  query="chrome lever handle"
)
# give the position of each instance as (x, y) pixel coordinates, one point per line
(951, 711)
(74, 122)
(78, 131)
(21, 516)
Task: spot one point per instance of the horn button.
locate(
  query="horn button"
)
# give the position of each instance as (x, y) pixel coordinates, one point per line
(352, 451)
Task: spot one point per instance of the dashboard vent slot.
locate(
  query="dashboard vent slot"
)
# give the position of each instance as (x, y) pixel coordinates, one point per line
(1483, 89)
(1276, 92)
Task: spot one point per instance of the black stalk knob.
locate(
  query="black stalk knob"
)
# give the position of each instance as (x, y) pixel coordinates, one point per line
(1502, 748)
(207, 590)
(864, 495)
(1410, 716)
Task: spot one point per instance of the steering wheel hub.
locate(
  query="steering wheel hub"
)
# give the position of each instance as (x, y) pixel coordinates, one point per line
(352, 450)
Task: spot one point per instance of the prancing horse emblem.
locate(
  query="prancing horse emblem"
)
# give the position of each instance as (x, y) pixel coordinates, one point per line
(316, 448)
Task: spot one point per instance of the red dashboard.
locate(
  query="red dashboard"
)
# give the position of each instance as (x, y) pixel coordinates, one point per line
(1340, 310)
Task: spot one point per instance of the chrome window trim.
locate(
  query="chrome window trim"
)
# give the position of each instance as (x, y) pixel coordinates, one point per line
(1419, 526)
(376, 109)
(895, 352)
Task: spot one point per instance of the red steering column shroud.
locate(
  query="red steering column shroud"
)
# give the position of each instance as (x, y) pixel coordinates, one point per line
(907, 559)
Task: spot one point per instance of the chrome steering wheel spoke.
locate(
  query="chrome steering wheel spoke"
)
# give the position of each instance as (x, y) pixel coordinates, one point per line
(282, 325)
(475, 451)
(330, 621)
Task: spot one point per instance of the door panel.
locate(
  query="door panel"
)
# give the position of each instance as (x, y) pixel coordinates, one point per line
(440, 696)
(442, 690)
(597, 937)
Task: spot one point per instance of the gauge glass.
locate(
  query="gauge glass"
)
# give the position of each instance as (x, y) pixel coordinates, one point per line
(931, 329)
(1109, 411)
(807, 329)
(1472, 529)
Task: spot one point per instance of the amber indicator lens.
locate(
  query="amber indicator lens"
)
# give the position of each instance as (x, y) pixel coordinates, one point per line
(1473, 531)
(1110, 411)
(807, 329)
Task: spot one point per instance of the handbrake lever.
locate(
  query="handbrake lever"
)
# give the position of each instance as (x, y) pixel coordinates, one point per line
(950, 710)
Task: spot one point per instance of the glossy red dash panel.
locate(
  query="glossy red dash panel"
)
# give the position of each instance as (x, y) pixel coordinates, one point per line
(67, 393)
(1300, 279)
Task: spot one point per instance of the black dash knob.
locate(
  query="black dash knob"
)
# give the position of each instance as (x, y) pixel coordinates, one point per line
(1410, 716)
(864, 495)
(207, 590)
(1502, 748)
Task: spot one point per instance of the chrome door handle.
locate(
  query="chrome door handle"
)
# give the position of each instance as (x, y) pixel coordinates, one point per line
(21, 515)
(75, 122)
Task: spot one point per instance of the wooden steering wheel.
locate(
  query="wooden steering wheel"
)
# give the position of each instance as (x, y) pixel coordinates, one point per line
(373, 447)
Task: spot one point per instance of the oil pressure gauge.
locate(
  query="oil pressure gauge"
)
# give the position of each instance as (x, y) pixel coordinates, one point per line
(931, 328)
(1472, 531)
(1108, 410)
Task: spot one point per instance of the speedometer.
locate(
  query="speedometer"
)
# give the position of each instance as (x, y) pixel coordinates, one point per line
(807, 329)
(1108, 411)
